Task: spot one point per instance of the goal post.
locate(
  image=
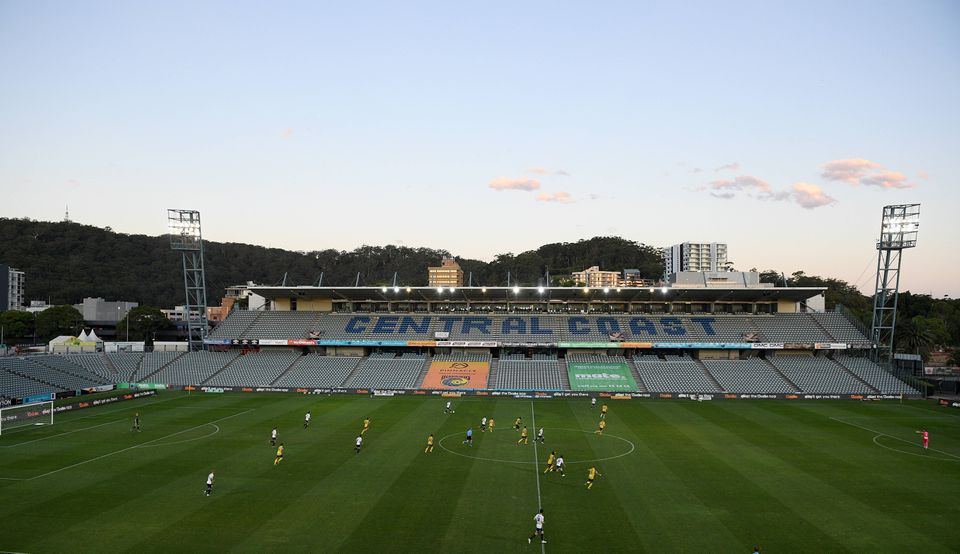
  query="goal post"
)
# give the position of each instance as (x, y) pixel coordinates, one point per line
(23, 415)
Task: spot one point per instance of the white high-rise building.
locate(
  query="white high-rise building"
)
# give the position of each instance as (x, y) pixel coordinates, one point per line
(11, 288)
(694, 256)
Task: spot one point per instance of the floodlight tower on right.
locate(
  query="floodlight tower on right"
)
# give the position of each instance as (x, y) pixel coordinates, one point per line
(898, 230)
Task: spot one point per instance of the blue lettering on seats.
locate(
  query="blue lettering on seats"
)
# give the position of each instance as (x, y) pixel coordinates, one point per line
(354, 326)
(642, 326)
(408, 323)
(514, 325)
(386, 324)
(706, 323)
(578, 326)
(608, 325)
(672, 326)
(448, 322)
(481, 324)
(535, 327)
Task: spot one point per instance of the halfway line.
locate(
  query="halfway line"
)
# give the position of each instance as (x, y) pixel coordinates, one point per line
(536, 464)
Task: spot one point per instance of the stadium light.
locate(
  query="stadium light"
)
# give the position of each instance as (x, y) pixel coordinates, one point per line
(586, 290)
(453, 289)
(397, 289)
(540, 290)
(663, 290)
(484, 290)
(606, 290)
(408, 289)
(899, 227)
(516, 290)
(384, 289)
(439, 290)
(618, 289)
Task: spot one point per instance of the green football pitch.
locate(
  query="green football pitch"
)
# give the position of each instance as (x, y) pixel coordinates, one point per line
(677, 476)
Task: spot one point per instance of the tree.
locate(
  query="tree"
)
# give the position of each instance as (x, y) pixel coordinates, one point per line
(16, 324)
(58, 320)
(144, 322)
(914, 337)
(954, 358)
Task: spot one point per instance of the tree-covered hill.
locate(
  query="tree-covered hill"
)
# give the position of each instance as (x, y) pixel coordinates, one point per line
(66, 262)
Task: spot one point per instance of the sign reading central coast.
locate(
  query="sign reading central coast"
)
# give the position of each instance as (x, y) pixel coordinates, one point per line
(457, 375)
(603, 376)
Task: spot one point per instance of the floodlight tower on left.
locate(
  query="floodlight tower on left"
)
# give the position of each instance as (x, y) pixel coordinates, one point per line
(185, 237)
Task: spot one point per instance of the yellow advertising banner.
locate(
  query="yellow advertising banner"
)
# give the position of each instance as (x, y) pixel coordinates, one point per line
(457, 375)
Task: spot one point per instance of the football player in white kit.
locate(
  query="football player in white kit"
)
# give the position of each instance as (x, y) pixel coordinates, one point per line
(306, 420)
(483, 424)
(273, 437)
(359, 443)
(560, 465)
(210, 483)
(538, 529)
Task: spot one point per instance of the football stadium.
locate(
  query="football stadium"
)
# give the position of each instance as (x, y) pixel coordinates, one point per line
(711, 418)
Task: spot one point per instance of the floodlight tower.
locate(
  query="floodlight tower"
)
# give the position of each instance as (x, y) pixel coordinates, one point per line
(185, 237)
(898, 230)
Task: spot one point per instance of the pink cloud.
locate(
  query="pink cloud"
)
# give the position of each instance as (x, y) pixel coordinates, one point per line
(287, 133)
(741, 182)
(545, 171)
(887, 180)
(731, 166)
(810, 196)
(554, 197)
(923, 174)
(849, 171)
(507, 183)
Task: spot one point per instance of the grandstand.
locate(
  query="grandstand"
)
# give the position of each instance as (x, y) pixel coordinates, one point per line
(647, 342)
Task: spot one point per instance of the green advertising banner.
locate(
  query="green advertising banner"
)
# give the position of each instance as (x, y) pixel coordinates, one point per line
(601, 376)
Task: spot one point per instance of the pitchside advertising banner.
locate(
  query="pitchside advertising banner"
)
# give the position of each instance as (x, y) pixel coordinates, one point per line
(599, 376)
(457, 375)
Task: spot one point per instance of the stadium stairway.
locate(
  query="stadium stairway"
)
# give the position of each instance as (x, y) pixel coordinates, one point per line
(353, 373)
(33, 378)
(285, 371)
(564, 375)
(844, 368)
(423, 372)
(782, 376)
(221, 370)
(492, 378)
(144, 378)
(110, 366)
(641, 384)
(821, 327)
(710, 377)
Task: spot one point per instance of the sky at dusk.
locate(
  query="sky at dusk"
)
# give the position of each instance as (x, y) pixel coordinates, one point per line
(780, 128)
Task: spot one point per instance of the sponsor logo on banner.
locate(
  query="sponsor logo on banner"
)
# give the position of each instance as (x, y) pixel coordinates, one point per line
(791, 397)
(457, 375)
(301, 342)
(245, 342)
(216, 341)
(589, 345)
(422, 343)
(636, 345)
(767, 345)
(830, 346)
(441, 335)
(730, 396)
(621, 397)
(273, 342)
(798, 345)
(529, 344)
(467, 344)
(216, 390)
(600, 376)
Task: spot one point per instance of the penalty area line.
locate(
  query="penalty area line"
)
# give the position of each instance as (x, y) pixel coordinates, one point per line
(879, 433)
(107, 455)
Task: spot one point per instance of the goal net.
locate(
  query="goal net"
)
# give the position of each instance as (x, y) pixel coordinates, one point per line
(38, 413)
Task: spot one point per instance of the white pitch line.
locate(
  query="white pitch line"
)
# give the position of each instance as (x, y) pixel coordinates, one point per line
(101, 413)
(58, 435)
(136, 446)
(536, 465)
(891, 436)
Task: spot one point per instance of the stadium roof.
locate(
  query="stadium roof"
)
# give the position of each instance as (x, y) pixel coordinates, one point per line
(538, 294)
